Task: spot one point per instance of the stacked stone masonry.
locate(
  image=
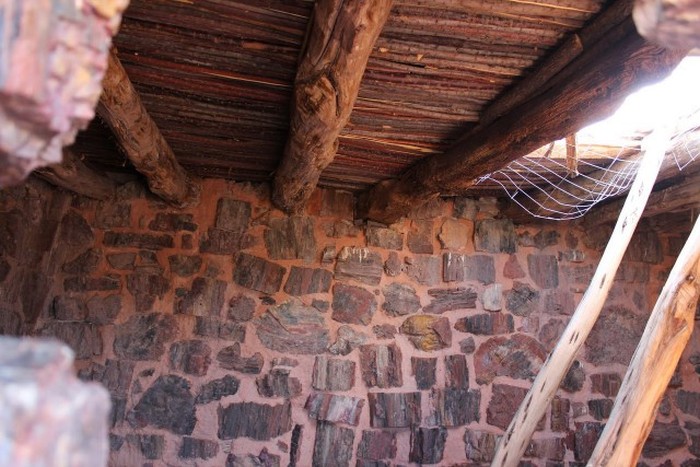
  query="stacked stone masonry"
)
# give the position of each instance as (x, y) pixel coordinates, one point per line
(231, 334)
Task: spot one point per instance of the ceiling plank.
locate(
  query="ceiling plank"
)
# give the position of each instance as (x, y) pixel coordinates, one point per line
(138, 136)
(671, 23)
(328, 78)
(602, 77)
(73, 175)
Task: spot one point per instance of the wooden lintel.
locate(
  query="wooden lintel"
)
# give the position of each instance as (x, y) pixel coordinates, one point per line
(73, 175)
(671, 23)
(328, 79)
(606, 74)
(137, 135)
(665, 337)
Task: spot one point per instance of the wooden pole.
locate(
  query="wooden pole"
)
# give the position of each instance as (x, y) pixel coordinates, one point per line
(512, 445)
(73, 175)
(660, 348)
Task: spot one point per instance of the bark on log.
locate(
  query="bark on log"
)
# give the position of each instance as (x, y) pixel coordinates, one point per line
(538, 399)
(671, 23)
(327, 83)
(138, 136)
(73, 175)
(53, 55)
(666, 334)
(609, 73)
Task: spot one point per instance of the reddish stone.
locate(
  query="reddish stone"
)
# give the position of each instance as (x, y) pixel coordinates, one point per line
(209, 326)
(360, 264)
(192, 357)
(400, 300)
(230, 358)
(337, 203)
(352, 305)
(616, 324)
(522, 299)
(585, 439)
(167, 404)
(544, 270)
(600, 408)
(558, 302)
(425, 270)
(304, 281)
(427, 445)
(467, 346)
(220, 242)
(257, 274)
(292, 328)
(688, 402)
(575, 378)
(291, 238)
(146, 288)
(380, 365)
(443, 300)
(135, 240)
(257, 421)
(183, 265)
(606, 383)
(420, 237)
(456, 371)
(486, 324)
(103, 310)
(151, 446)
(333, 374)
(550, 449)
(377, 445)
(333, 445)
(384, 238)
(206, 298)
(551, 332)
(392, 266)
(91, 284)
(143, 337)
(84, 339)
(217, 389)
(334, 408)
(663, 438)
(464, 208)
(645, 247)
(85, 263)
(172, 222)
(278, 383)
(518, 356)
(423, 370)
(347, 340)
(455, 406)
(110, 214)
(495, 236)
(68, 308)
(480, 446)
(193, 448)
(427, 332)
(384, 331)
(264, 459)
(240, 308)
(232, 215)
(455, 234)
(505, 400)
(512, 268)
(460, 268)
(559, 419)
(394, 410)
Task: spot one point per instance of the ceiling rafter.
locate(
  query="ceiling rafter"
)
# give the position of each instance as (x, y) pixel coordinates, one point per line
(339, 43)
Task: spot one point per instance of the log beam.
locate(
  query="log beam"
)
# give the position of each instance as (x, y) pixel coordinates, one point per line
(605, 74)
(665, 337)
(340, 40)
(137, 135)
(538, 399)
(73, 175)
(671, 23)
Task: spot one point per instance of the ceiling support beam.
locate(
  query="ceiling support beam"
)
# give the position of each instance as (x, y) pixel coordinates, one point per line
(665, 337)
(137, 135)
(671, 23)
(340, 41)
(73, 175)
(597, 82)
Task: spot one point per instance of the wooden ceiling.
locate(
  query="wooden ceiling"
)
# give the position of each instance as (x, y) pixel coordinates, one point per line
(217, 77)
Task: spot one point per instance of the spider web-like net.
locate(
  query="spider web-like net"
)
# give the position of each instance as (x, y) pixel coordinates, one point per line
(547, 187)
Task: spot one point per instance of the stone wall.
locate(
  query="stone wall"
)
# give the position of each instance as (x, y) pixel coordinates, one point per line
(230, 334)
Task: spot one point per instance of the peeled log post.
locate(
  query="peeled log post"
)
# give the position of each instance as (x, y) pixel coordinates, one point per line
(73, 175)
(660, 348)
(592, 93)
(138, 136)
(328, 79)
(671, 23)
(517, 437)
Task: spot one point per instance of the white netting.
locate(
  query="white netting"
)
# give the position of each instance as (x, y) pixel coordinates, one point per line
(545, 185)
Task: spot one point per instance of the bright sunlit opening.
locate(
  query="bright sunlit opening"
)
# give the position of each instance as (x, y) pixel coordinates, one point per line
(650, 107)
